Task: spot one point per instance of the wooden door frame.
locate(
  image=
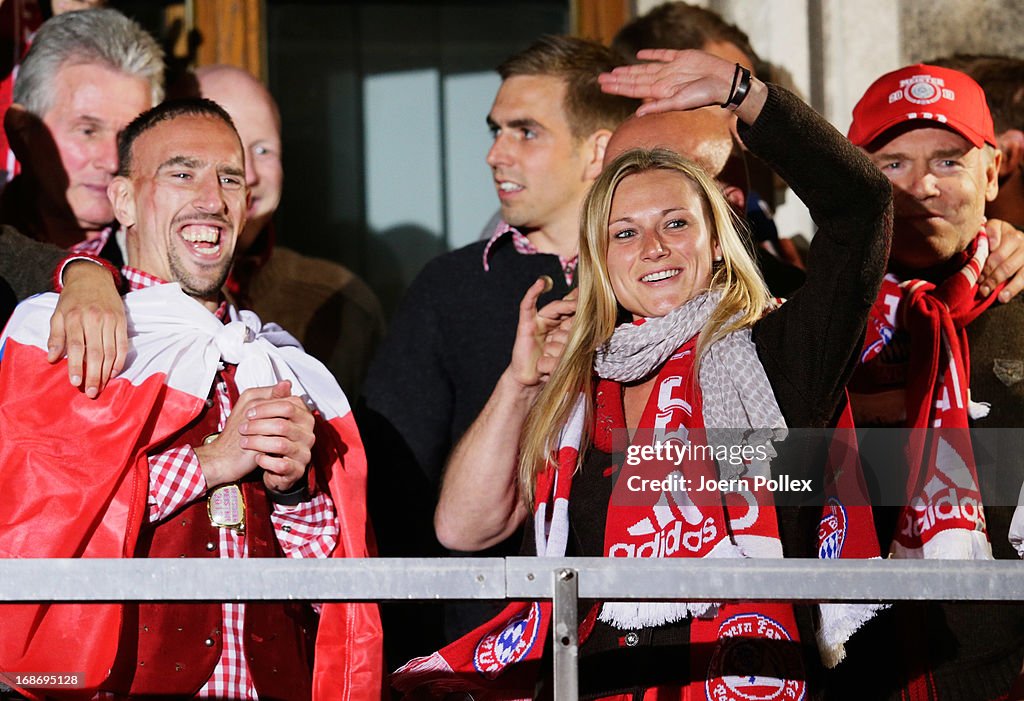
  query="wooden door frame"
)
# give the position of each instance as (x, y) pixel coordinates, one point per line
(600, 19)
(231, 32)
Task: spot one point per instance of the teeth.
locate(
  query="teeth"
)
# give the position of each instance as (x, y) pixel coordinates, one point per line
(663, 275)
(200, 234)
(509, 187)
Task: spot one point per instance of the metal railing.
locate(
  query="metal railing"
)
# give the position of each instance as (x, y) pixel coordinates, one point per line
(563, 580)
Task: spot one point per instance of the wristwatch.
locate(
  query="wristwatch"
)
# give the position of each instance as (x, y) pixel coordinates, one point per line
(298, 494)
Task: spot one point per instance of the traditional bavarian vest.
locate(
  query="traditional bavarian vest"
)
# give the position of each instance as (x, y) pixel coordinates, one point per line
(171, 649)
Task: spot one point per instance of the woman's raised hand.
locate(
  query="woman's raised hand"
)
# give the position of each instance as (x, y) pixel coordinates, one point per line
(682, 80)
(541, 335)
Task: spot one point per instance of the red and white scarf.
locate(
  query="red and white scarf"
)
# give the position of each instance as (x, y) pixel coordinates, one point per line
(943, 516)
(502, 657)
(847, 531)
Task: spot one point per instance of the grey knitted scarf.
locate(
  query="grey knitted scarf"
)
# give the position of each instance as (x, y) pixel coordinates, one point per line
(739, 404)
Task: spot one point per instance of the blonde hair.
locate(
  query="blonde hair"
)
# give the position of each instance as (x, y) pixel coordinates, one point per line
(745, 297)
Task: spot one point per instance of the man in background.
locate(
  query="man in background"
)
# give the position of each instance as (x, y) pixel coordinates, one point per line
(937, 347)
(86, 76)
(326, 306)
(679, 25)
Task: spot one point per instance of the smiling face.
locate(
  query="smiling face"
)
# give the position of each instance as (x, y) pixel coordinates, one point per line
(940, 185)
(541, 171)
(184, 203)
(660, 247)
(91, 103)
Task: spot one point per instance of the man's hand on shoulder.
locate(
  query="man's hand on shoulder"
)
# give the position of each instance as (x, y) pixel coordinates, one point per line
(89, 325)
(268, 428)
(1005, 260)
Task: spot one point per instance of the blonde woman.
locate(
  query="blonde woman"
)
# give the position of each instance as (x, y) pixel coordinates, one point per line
(632, 421)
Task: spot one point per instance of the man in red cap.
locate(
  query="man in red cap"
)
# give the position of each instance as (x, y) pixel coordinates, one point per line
(940, 354)
(929, 129)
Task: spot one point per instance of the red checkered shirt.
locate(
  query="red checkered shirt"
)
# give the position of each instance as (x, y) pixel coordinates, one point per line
(176, 479)
(524, 246)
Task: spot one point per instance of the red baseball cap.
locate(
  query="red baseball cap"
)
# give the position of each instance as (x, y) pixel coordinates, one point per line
(923, 92)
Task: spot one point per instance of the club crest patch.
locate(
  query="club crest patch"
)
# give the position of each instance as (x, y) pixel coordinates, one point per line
(832, 530)
(746, 665)
(501, 648)
(922, 90)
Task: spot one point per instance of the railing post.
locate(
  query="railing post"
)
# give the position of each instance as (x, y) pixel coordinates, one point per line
(563, 630)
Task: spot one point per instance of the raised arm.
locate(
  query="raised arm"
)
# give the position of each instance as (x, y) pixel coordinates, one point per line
(480, 505)
(89, 322)
(811, 345)
(685, 80)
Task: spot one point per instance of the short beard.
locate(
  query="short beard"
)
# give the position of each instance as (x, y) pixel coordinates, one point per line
(199, 288)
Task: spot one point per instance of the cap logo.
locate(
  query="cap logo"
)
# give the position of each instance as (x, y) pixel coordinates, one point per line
(921, 90)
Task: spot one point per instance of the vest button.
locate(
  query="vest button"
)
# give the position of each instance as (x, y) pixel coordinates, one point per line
(632, 639)
(210, 546)
(209, 403)
(208, 642)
